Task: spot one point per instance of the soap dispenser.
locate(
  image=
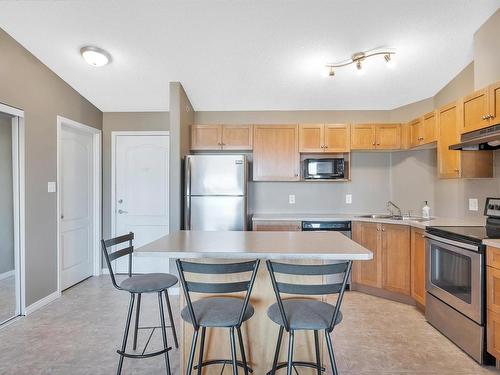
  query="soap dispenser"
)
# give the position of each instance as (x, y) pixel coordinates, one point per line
(426, 211)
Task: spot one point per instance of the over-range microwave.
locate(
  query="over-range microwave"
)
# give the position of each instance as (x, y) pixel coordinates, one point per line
(328, 168)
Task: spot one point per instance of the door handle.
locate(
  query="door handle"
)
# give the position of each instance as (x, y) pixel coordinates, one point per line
(122, 212)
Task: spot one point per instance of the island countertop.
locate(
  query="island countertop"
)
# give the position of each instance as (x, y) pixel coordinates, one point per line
(258, 245)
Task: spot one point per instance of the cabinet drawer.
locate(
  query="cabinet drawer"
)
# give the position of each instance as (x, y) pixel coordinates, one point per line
(493, 257)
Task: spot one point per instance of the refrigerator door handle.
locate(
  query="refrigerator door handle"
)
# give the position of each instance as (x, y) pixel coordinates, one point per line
(187, 198)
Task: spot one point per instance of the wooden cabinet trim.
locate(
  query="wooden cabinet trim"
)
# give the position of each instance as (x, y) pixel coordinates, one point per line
(418, 264)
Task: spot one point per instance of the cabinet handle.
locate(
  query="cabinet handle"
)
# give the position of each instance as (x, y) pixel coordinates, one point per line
(325, 146)
(373, 144)
(457, 170)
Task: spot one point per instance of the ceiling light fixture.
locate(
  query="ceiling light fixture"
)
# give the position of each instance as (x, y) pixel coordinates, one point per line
(95, 56)
(359, 57)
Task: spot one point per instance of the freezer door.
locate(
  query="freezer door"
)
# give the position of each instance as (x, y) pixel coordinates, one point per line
(216, 174)
(216, 213)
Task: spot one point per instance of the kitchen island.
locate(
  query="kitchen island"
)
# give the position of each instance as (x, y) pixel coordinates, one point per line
(259, 332)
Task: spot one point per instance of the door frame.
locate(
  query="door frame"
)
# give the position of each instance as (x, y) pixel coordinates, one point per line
(18, 177)
(114, 136)
(96, 189)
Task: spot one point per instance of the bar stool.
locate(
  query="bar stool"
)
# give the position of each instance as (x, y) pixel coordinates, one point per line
(217, 312)
(137, 285)
(305, 314)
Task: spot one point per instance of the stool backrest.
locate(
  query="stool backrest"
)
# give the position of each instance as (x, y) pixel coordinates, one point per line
(343, 268)
(218, 287)
(111, 256)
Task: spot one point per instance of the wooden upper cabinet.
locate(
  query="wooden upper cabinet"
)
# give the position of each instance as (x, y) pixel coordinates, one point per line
(475, 111)
(237, 137)
(276, 153)
(368, 272)
(324, 138)
(206, 137)
(221, 137)
(311, 137)
(363, 137)
(396, 266)
(337, 138)
(388, 136)
(418, 265)
(448, 160)
(429, 127)
(416, 132)
(494, 102)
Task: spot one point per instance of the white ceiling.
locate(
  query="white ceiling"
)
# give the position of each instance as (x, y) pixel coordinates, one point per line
(250, 55)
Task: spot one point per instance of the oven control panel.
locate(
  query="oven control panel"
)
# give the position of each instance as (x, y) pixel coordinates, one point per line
(492, 207)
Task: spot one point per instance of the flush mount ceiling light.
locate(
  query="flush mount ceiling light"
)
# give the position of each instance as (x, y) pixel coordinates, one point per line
(358, 59)
(95, 56)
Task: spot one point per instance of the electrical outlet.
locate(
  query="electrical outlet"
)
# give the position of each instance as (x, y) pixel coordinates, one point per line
(348, 198)
(473, 204)
(51, 187)
(291, 198)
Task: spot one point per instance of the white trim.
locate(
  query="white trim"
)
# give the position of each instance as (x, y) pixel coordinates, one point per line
(7, 274)
(42, 302)
(22, 214)
(11, 110)
(97, 170)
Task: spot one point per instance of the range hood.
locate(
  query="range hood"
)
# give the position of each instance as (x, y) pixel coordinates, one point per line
(482, 139)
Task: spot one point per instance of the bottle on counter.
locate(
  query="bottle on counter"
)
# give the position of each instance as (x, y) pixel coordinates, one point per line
(426, 211)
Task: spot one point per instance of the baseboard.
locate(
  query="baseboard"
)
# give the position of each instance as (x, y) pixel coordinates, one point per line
(7, 274)
(42, 302)
(382, 293)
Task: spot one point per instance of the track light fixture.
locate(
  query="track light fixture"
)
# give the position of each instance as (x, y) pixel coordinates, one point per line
(359, 57)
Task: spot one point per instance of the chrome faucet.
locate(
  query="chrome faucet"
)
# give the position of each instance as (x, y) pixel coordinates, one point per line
(391, 204)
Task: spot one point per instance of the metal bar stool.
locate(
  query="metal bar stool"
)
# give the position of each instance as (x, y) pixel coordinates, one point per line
(305, 314)
(217, 312)
(137, 285)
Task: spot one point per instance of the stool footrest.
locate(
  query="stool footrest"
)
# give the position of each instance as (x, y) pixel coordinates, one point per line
(296, 363)
(222, 362)
(148, 355)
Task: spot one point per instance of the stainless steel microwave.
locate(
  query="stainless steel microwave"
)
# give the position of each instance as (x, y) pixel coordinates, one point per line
(331, 168)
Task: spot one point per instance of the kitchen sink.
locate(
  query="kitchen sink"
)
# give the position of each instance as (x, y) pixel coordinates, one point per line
(393, 217)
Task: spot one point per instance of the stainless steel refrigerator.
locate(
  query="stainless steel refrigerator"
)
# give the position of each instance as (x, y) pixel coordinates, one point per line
(215, 195)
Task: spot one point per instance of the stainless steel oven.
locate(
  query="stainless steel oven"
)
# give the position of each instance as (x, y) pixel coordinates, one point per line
(455, 275)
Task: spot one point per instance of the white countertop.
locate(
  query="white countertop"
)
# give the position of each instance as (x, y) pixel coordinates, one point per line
(436, 221)
(492, 242)
(253, 245)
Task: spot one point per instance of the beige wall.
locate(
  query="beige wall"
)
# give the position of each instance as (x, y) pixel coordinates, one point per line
(28, 84)
(122, 121)
(487, 52)
(6, 196)
(459, 86)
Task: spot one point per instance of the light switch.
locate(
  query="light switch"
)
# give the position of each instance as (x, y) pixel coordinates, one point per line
(348, 198)
(291, 198)
(51, 187)
(473, 204)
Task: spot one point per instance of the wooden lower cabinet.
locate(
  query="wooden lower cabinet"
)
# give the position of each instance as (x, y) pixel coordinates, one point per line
(493, 334)
(277, 226)
(390, 268)
(418, 265)
(493, 301)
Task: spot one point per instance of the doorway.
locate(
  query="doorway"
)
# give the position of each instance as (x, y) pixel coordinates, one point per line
(140, 193)
(12, 303)
(78, 198)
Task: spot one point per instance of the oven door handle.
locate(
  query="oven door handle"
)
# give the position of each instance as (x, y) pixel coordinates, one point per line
(453, 243)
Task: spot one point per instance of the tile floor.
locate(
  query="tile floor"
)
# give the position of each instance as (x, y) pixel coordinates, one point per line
(79, 333)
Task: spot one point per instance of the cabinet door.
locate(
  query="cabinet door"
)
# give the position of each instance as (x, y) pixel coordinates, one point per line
(362, 137)
(396, 268)
(237, 137)
(337, 138)
(311, 138)
(418, 265)
(429, 125)
(388, 137)
(277, 226)
(276, 153)
(494, 102)
(368, 272)
(206, 137)
(416, 132)
(493, 333)
(493, 289)
(475, 110)
(448, 160)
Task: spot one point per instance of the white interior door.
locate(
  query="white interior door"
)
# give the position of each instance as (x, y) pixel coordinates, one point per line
(76, 206)
(141, 194)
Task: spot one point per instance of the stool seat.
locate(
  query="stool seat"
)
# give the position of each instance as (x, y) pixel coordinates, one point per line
(304, 314)
(147, 283)
(219, 312)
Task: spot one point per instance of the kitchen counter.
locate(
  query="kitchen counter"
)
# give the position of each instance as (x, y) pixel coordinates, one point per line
(261, 245)
(492, 242)
(437, 221)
